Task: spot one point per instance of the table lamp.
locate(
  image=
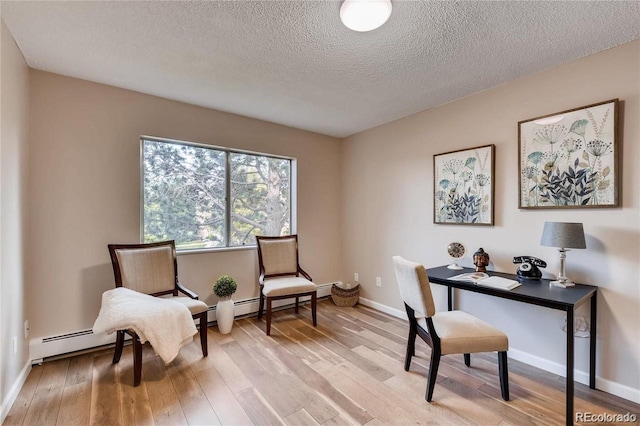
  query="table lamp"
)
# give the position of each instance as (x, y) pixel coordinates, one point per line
(565, 236)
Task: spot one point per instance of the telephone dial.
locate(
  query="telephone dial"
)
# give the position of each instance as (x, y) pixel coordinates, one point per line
(529, 267)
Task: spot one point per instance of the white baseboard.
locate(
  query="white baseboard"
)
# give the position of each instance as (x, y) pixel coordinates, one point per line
(608, 386)
(383, 308)
(14, 391)
(625, 392)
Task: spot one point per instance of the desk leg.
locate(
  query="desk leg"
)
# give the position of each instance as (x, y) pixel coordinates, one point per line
(450, 298)
(592, 340)
(570, 353)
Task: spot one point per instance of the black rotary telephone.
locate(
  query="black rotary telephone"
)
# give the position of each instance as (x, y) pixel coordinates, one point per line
(529, 267)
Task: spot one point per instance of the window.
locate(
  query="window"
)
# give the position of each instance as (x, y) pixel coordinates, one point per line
(206, 197)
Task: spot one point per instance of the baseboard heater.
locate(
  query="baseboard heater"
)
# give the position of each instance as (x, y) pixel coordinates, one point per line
(44, 347)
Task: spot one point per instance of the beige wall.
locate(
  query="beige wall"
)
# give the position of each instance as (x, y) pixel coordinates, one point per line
(85, 193)
(14, 114)
(387, 209)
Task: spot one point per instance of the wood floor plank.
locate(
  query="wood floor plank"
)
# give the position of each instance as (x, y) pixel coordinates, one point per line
(312, 403)
(301, 418)
(276, 394)
(54, 374)
(136, 407)
(345, 333)
(164, 402)
(80, 369)
(257, 408)
(323, 387)
(135, 404)
(192, 353)
(317, 351)
(362, 392)
(338, 420)
(20, 407)
(194, 403)
(415, 393)
(226, 367)
(376, 371)
(539, 407)
(221, 398)
(397, 327)
(486, 409)
(105, 392)
(44, 407)
(75, 407)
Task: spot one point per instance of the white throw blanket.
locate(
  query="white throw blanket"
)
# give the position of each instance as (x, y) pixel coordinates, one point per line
(166, 324)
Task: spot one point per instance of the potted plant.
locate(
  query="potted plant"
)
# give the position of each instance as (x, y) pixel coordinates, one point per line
(224, 287)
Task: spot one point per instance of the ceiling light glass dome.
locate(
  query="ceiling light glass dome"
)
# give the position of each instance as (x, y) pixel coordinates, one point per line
(365, 15)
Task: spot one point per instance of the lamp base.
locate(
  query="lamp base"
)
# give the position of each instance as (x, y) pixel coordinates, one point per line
(563, 284)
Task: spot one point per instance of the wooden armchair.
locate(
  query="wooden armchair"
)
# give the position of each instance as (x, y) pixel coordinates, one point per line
(152, 269)
(281, 276)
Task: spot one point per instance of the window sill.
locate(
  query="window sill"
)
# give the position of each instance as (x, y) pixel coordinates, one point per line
(214, 250)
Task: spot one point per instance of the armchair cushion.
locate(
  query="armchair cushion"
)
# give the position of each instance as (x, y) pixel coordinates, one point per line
(281, 286)
(195, 306)
(461, 333)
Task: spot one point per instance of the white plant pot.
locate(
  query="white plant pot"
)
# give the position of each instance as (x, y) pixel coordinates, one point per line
(224, 315)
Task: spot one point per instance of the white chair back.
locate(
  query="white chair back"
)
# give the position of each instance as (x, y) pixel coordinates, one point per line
(414, 286)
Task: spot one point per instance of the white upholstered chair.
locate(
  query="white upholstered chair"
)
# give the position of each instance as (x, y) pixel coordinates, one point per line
(447, 333)
(152, 269)
(281, 276)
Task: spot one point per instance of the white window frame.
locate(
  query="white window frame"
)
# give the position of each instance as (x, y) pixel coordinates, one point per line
(293, 189)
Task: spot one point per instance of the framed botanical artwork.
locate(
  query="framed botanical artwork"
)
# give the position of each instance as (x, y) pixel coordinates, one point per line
(463, 186)
(569, 159)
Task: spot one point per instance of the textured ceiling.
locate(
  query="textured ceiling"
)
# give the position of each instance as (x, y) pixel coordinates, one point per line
(294, 63)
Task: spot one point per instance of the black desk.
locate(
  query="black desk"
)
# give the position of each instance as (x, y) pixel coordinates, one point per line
(537, 292)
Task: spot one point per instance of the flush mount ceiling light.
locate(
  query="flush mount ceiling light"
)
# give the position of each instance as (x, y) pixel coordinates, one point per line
(365, 15)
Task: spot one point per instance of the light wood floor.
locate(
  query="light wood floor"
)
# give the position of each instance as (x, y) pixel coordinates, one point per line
(348, 370)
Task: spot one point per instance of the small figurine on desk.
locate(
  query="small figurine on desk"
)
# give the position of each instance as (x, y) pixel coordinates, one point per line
(481, 260)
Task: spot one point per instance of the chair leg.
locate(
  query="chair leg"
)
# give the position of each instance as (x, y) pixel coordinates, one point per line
(314, 303)
(261, 305)
(467, 360)
(137, 360)
(433, 373)
(411, 345)
(504, 374)
(119, 345)
(203, 334)
(268, 316)
(297, 301)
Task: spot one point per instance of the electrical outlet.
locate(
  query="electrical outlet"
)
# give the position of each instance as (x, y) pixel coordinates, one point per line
(355, 277)
(378, 282)
(14, 342)
(26, 329)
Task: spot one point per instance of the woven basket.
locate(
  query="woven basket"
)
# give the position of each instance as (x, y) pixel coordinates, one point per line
(345, 296)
